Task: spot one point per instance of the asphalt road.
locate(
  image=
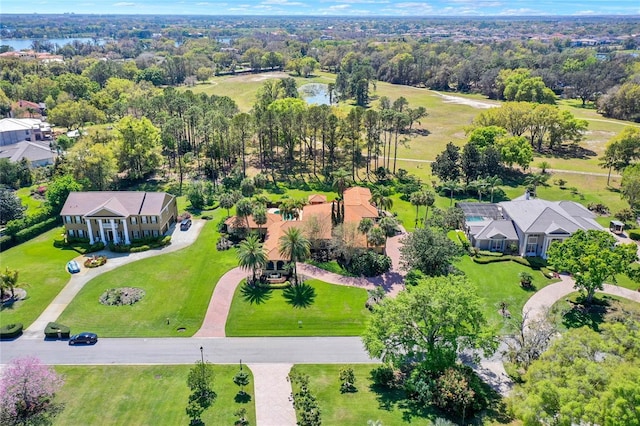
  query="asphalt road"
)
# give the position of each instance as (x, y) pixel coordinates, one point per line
(293, 350)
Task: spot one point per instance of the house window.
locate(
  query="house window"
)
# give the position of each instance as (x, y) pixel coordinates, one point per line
(532, 244)
(67, 219)
(497, 245)
(134, 220)
(136, 234)
(154, 219)
(81, 233)
(78, 219)
(144, 219)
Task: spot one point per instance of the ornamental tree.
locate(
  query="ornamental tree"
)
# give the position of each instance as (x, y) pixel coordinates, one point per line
(592, 257)
(429, 251)
(27, 392)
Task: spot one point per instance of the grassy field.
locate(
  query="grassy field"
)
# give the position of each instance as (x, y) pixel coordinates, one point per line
(499, 282)
(333, 311)
(42, 269)
(178, 286)
(368, 403)
(567, 313)
(33, 205)
(144, 395)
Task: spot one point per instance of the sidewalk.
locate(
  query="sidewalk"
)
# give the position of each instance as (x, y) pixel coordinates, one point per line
(274, 405)
(179, 240)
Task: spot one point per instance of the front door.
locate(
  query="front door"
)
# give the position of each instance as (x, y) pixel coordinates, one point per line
(109, 234)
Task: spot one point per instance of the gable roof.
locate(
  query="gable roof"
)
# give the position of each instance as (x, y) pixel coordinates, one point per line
(32, 151)
(122, 203)
(499, 228)
(542, 216)
(317, 199)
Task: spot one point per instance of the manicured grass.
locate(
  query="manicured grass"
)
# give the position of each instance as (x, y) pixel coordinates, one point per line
(567, 314)
(335, 311)
(42, 268)
(33, 205)
(369, 402)
(144, 395)
(331, 266)
(178, 287)
(499, 282)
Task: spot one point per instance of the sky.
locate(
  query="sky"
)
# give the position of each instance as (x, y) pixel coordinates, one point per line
(328, 7)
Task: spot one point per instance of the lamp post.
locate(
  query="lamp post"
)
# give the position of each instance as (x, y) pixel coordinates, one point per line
(202, 363)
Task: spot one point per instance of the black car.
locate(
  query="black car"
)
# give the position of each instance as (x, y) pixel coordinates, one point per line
(185, 224)
(84, 338)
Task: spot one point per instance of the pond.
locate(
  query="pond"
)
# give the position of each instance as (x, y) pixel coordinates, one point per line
(25, 44)
(315, 93)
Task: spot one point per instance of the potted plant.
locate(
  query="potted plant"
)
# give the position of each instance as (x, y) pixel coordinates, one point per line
(526, 279)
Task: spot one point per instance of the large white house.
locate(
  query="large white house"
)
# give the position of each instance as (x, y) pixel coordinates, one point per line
(14, 130)
(530, 224)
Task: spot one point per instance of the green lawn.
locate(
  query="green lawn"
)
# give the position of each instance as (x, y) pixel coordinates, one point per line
(33, 205)
(566, 313)
(335, 311)
(499, 282)
(178, 286)
(368, 403)
(331, 266)
(144, 395)
(42, 268)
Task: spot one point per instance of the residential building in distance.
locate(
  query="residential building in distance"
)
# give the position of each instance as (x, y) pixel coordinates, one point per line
(526, 226)
(37, 153)
(118, 217)
(14, 130)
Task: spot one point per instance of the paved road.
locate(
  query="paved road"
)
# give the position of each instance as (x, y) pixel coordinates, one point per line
(259, 350)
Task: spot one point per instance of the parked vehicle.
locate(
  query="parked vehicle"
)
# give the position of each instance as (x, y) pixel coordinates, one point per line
(73, 267)
(84, 338)
(185, 224)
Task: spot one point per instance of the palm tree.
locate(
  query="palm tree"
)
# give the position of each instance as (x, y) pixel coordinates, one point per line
(430, 198)
(244, 208)
(389, 226)
(376, 237)
(341, 181)
(296, 247)
(251, 255)
(534, 180)
(365, 226)
(381, 197)
(452, 186)
(492, 183)
(260, 216)
(226, 201)
(418, 199)
(480, 185)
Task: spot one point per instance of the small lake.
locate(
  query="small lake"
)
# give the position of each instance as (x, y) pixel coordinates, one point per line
(315, 93)
(25, 43)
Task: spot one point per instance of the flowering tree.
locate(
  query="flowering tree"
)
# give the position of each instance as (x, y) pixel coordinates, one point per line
(27, 391)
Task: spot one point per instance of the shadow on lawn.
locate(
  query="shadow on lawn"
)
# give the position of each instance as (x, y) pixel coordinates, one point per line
(255, 295)
(300, 296)
(591, 315)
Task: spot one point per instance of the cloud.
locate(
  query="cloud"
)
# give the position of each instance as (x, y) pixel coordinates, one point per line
(124, 4)
(339, 7)
(203, 3)
(284, 3)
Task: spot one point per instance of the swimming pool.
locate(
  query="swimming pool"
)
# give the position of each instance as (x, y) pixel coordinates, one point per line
(474, 218)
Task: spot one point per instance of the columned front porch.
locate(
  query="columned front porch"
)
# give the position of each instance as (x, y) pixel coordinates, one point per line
(108, 230)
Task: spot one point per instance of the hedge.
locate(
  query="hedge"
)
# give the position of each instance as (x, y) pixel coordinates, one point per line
(488, 253)
(11, 331)
(634, 234)
(57, 331)
(275, 286)
(37, 229)
(6, 242)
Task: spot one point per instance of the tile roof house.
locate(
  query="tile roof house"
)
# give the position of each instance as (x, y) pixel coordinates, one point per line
(529, 224)
(118, 216)
(315, 221)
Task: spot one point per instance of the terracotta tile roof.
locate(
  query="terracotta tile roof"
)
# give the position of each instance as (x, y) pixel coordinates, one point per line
(323, 213)
(317, 199)
(357, 204)
(271, 218)
(274, 233)
(123, 203)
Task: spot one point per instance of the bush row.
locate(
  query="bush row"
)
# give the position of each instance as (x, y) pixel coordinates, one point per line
(15, 226)
(275, 286)
(10, 331)
(8, 241)
(141, 245)
(634, 234)
(56, 331)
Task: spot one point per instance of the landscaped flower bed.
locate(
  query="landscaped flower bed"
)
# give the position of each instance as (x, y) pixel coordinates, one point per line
(95, 261)
(122, 296)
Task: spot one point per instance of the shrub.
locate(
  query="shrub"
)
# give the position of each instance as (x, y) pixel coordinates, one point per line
(139, 249)
(483, 260)
(369, 264)
(388, 377)
(6, 242)
(625, 215)
(35, 230)
(56, 331)
(347, 380)
(634, 234)
(597, 208)
(490, 253)
(95, 261)
(119, 248)
(10, 331)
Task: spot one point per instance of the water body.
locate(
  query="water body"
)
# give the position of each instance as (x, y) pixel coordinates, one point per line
(315, 93)
(25, 43)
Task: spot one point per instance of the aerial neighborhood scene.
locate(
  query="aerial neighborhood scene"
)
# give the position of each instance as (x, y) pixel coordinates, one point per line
(335, 212)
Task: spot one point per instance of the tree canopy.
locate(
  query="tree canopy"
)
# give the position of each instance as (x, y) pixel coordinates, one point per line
(437, 319)
(592, 257)
(429, 251)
